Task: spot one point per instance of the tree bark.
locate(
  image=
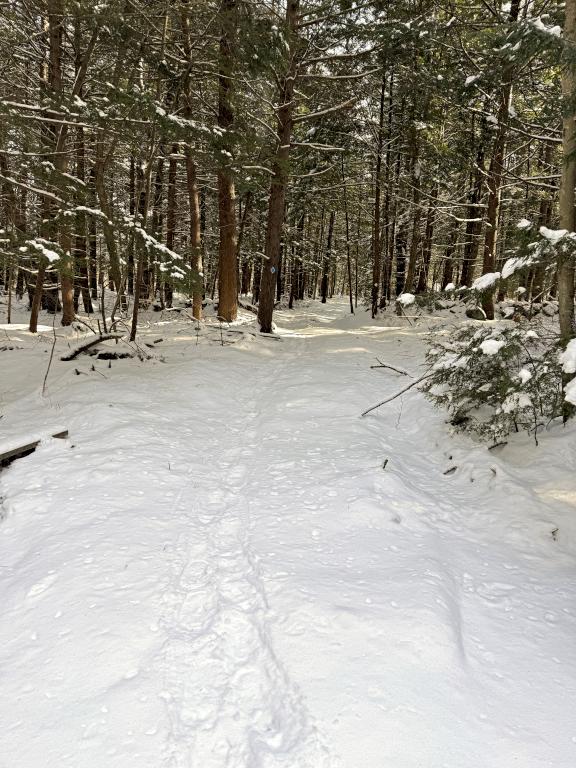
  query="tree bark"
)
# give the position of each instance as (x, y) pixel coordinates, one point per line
(568, 179)
(228, 266)
(195, 210)
(171, 216)
(417, 212)
(400, 247)
(348, 258)
(448, 268)
(298, 275)
(376, 232)
(280, 175)
(327, 259)
(427, 249)
(195, 236)
(495, 174)
(473, 228)
(243, 265)
(50, 92)
(81, 287)
(106, 207)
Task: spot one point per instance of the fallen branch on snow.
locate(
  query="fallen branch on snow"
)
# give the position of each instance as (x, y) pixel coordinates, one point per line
(392, 368)
(89, 344)
(389, 399)
(248, 307)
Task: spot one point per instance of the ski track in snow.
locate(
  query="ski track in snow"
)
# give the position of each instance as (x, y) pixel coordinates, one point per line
(215, 570)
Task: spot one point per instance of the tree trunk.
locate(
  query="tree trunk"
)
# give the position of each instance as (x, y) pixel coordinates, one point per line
(495, 174)
(56, 17)
(388, 223)
(376, 232)
(297, 286)
(348, 259)
(400, 258)
(50, 93)
(132, 209)
(195, 236)
(171, 216)
(196, 211)
(154, 275)
(241, 230)
(427, 249)
(568, 178)
(327, 259)
(473, 228)
(280, 175)
(448, 269)
(538, 282)
(100, 164)
(227, 266)
(92, 239)
(80, 239)
(416, 210)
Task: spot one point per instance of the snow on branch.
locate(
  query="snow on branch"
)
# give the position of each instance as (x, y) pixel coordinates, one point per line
(44, 247)
(486, 282)
(327, 111)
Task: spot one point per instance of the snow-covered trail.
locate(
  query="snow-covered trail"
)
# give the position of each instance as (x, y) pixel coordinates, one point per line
(216, 570)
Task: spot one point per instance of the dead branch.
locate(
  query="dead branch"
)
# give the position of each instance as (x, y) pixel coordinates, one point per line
(392, 368)
(389, 399)
(92, 343)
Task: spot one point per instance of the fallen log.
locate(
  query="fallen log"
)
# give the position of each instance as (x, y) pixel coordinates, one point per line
(248, 307)
(88, 345)
(17, 448)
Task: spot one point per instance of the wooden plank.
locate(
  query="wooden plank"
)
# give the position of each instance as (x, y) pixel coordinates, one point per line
(27, 447)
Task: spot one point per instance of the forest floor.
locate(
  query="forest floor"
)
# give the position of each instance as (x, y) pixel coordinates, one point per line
(216, 570)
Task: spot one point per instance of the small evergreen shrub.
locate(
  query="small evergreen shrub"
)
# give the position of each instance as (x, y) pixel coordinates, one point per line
(496, 379)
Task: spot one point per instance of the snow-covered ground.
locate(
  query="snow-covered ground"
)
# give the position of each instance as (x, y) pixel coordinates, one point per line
(216, 571)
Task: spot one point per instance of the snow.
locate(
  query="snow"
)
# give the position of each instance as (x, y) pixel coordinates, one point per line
(553, 235)
(48, 253)
(570, 392)
(484, 282)
(568, 357)
(516, 401)
(406, 299)
(513, 265)
(215, 569)
(22, 327)
(554, 30)
(450, 287)
(96, 212)
(568, 362)
(525, 375)
(27, 438)
(524, 224)
(492, 346)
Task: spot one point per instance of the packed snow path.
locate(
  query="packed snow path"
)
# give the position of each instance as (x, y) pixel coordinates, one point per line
(216, 571)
